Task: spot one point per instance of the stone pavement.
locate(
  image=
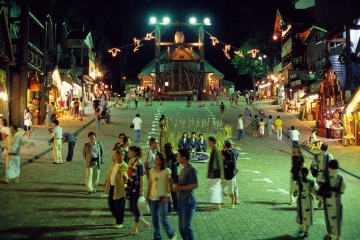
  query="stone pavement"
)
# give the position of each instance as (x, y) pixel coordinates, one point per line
(50, 200)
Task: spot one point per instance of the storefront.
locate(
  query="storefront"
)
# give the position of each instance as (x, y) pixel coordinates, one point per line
(310, 108)
(351, 120)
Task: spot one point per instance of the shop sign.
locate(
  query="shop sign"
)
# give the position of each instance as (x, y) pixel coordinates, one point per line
(315, 87)
(293, 76)
(2, 76)
(295, 83)
(48, 79)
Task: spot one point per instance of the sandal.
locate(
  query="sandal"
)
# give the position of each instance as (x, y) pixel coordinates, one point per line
(306, 234)
(144, 226)
(132, 233)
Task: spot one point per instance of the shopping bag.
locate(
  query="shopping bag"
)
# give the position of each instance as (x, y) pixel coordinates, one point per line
(143, 206)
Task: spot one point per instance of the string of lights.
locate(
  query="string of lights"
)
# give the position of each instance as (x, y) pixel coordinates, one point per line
(137, 44)
(226, 48)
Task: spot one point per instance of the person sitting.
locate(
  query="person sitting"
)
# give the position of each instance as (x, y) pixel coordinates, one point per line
(184, 141)
(313, 139)
(104, 116)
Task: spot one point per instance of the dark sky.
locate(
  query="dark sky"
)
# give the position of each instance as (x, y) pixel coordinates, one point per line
(227, 18)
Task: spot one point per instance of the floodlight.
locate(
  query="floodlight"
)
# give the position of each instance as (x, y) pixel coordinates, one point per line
(192, 20)
(153, 20)
(166, 20)
(207, 21)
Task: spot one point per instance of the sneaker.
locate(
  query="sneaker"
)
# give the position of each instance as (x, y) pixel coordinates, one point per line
(16, 180)
(118, 226)
(144, 226)
(174, 237)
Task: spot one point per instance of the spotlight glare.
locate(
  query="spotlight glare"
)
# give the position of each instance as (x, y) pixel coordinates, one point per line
(153, 20)
(166, 20)
(192, 20)
(207, 21)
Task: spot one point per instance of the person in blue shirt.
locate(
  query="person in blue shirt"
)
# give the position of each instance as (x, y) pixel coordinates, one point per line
(184, 141)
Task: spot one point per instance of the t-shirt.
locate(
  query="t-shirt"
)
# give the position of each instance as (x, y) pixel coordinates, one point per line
(262, 124)
(159, 183)
(188, 175)
(113, 173)
(295, 135)
(278, 123)
(241, 124)
(229, 164)
(137, 123)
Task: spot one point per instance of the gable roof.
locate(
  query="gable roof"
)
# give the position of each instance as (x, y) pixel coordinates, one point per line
(312, 31)
(194, 57)
(78, 37)
(7, 54)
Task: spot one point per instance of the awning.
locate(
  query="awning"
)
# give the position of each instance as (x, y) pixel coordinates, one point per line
(311, 95)
(353, 102)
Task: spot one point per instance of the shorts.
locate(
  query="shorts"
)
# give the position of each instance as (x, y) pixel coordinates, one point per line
(230, 185)
(26, 128)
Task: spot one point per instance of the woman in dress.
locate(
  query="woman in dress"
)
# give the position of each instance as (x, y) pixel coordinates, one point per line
(255, 126)
(158, 193)
(305, 202)
(27, 122)
(333, 205)
(262, 127)
(136, 183)
(269, 123)
(297, 160)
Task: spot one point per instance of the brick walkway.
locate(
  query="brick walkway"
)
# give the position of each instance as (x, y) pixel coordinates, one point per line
(50, 200)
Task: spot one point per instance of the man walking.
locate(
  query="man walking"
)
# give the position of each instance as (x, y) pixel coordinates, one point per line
(13, 144)
(93, 153)
(320, 168)
(57, 143)
(215, 174)
(187, 182)
(137, 127)
(149, 160)
(328, 124)
(295, 136)
(240, 127)
(70, 139)
(278, 125)
(230, 170)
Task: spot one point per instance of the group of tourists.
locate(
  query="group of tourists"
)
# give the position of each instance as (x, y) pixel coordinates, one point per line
(327, 188)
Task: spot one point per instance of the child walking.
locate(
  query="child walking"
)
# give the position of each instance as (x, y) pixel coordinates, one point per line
(262, 127)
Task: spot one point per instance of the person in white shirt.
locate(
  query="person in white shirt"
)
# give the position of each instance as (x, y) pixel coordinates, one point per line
(57, 144)
(137, 127)
(295, 136)
(240, 127)
(157, 194)
(328, 124)
(149, 159)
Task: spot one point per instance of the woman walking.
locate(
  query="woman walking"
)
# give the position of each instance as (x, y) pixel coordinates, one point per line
(172, 164)
(115, 187)
(157, 194)
(305, 202)
(269, 123)
(27, 122)
(297, 164)
(262, 128)
(255, 126)
(222, 110)
(136, 184)
(97, 119)
(333, 205)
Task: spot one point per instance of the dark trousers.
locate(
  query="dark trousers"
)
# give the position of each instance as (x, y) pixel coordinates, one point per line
(328, 132)
(117, 207)
(71, 146)
(174, 201)
(53, 116)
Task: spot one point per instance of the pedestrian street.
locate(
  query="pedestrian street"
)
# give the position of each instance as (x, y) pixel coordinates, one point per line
(50, 201)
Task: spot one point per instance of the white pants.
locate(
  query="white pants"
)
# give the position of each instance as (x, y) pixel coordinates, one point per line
(57, 150)
(215, 190)
(279, 133)
(92, 177)
(12, 167)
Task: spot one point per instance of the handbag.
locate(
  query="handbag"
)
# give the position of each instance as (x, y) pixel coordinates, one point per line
(132, 125)
(325, 190)
(143, 206)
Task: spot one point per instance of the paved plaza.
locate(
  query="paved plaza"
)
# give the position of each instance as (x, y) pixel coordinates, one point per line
(50, 202)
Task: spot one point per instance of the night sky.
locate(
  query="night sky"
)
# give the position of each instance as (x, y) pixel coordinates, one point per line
(229, 19)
